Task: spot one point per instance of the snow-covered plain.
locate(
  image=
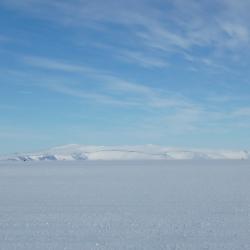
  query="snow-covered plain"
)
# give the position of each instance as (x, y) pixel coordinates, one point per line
(187, 205)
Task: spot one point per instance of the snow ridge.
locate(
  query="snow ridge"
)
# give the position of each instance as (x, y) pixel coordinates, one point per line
(145, 152)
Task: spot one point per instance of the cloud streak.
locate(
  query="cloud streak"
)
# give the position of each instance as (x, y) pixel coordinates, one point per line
(170, 27)
(115, 90)
(171, 110)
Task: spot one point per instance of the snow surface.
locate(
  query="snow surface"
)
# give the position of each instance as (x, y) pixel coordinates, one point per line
(144, 152)
(92, 205)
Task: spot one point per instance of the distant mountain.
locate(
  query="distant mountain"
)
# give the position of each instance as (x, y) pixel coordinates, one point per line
(145, 152)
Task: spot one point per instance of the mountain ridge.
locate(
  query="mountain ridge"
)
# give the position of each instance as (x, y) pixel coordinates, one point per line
(139, 152)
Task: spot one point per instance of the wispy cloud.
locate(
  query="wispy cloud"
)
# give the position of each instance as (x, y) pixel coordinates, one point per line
(111, 87)
(147, 61)
(172, 111)
(46, 63)
(171, 27)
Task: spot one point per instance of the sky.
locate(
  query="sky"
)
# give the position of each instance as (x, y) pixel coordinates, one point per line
(173, 73)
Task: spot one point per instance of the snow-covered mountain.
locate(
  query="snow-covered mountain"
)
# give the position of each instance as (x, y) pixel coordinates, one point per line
(145, 152)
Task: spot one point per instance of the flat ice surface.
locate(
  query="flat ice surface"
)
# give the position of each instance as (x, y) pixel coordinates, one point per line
(157, 205)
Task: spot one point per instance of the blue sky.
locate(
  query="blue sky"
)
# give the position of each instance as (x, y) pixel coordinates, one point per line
(173, 73)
